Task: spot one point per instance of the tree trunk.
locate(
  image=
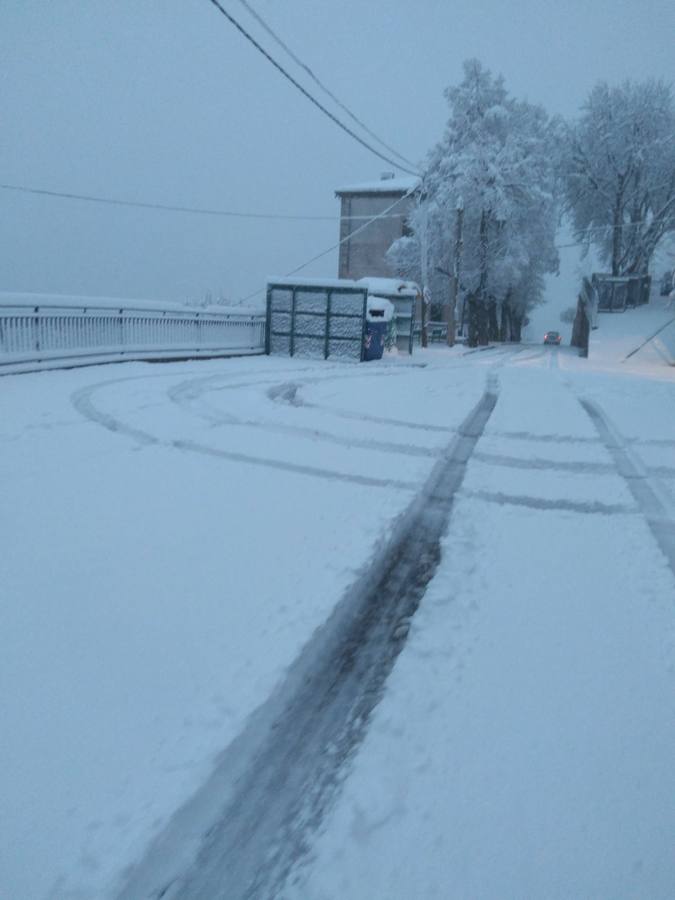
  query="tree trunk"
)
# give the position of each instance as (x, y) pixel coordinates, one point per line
(425, 316)
(493, 322)
(456, 269)
(450, 319)
(516, 327)
(483, 324)
(505, 328)
(617, 230)
(482, 284)
(474, 324)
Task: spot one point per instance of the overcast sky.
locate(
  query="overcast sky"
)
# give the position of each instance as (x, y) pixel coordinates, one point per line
(163, 101)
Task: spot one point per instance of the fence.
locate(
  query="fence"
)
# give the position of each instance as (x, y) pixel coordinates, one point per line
(316, 318)
(437, 332)
(55, 334)
(618, 293)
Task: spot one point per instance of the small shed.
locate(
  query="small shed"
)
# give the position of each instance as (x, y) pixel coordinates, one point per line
(321, 317)
(329, 316)
(404, 295)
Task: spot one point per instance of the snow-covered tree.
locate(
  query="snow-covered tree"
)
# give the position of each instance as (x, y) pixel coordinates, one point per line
(494, 162)
(618, 172)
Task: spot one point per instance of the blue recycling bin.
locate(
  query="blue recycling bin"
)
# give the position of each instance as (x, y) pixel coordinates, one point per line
(373, 346)
(378, 315)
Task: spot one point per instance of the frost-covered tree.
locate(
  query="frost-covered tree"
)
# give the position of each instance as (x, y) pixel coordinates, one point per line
(618, 172)
(494, 161)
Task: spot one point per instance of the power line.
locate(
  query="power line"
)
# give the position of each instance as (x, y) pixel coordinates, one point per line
(167, 207)
(320, 84)
(382, 215)
(284, 217)
(171, 207)
(304, 91)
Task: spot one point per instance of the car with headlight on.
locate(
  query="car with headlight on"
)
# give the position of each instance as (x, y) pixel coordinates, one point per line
(552, 337)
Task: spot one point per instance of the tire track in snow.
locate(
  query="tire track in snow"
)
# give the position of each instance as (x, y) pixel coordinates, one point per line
(288, 393)
(83, 403)
(576, 506)
(656, 508)
(189, 395)
(528, 359)
(288, 771)
(314, 471)
(536, 462)
(545, 438)
(553, 361)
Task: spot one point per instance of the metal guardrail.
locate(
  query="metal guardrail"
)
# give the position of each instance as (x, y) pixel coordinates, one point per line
(55, 335)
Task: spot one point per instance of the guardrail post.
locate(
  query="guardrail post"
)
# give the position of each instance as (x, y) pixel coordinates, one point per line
(268, 322)
(326, 347)
(292, 339)
(363, 326)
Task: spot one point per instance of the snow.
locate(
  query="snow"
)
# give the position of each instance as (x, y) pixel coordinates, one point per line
(386, 286)
(402, 184)
(178, 534)
(379, 309)
(620, 334)
(61, 301)
(316, 282)
(524, 744)
(162, 568)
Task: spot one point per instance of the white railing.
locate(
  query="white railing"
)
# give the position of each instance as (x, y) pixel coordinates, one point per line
(53, 333)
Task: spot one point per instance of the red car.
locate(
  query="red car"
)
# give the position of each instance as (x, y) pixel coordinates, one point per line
(552, 337)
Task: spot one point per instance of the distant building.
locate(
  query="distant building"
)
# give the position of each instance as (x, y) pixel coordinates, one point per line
(363, 254)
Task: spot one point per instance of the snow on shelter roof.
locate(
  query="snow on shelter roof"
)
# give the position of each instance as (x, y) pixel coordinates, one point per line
(386, 286)
(289, 281)
(382, 186)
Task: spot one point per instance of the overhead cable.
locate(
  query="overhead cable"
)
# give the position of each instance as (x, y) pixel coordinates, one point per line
(382, 215)
(171, 207)
(249, 37)
(320, 84)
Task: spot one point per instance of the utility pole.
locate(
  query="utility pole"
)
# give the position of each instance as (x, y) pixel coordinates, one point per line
(456, 271)
(424, 248)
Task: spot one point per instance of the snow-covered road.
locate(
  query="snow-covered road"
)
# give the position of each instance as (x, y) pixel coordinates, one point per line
(174, 537)
(524, 747)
